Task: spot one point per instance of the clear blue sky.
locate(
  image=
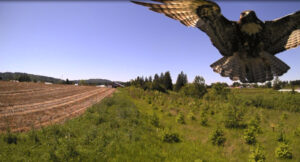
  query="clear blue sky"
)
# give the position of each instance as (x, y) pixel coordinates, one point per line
(116, 40)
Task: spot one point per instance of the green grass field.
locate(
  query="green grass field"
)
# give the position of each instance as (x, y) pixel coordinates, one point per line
(138, 125)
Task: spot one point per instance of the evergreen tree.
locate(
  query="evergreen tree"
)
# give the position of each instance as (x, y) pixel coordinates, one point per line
(161, 78)
(156, 78)
(236, 84)
(67, 81)
(199, 84)
(276, 83)
(268, 85)
(157, 85)
(150, 78)
(24, 78)
(181, 81)
(167, 81)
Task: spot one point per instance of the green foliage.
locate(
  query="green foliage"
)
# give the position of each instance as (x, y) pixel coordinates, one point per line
(297, 131)
(220, 89)
(254, 124)
(82, 82)
(181, 81)
(276, 84)
(236, 84)
(154, 120)
(197, 89)
(249, 135)
(10, 138)
(180, 118)
(156, 85)
(170, 137)
(191, 116)
(268, 85)
(283, 151)
(284, 116)
(233, 117)
(167, 81)
(281, 136)
(131, 126)
(217, 137)
(24, 78)
(257, 155)
(203, 119)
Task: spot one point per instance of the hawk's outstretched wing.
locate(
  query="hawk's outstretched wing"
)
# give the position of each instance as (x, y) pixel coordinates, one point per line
(204, 14)
(283, 33)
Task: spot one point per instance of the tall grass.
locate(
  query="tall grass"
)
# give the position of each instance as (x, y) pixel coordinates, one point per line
(138, 125)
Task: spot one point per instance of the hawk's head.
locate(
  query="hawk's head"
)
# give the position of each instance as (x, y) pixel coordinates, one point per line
(248, 16)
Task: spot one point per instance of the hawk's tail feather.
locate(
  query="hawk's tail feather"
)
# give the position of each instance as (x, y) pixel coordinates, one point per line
(252, 69)
(277, 66)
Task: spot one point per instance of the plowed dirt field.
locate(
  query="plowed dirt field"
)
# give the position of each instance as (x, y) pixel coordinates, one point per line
(27, 105)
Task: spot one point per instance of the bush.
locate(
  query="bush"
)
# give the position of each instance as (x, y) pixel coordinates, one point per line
(191, 116)
(10, 138)
(281, 137)
(217, 137)
(170, 137)
(154, 120)
(180, 118)
(203, 119)
(283, 151)
(24, 78)
(254, 124)
(249, 135)
(233, 118)
(220, 89)
(257, 155)
(297, 131)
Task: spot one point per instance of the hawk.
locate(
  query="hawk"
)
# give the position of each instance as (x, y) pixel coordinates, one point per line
(248, 46)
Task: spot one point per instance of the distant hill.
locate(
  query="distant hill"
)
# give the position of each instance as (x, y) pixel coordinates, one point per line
(40, 78)
(32, 77)
(94, 81)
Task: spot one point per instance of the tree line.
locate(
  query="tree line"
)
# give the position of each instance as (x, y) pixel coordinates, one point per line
(163, 83)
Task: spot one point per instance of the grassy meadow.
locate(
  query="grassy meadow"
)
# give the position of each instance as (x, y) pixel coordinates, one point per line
(138, 125)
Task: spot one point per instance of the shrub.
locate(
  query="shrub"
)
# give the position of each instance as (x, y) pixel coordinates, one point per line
(254, 124)
(283, 151)
(24, 78)
(233, 118)
(191, 116)
(154, 120)
(284, 116)
(203, 119)
(249, 135)
(281, 137)
(220, 89)
(170, 137)
(197, 89)
(180, 118)
(10, 138)
(217, 137)
(257, 155)
(297, 131)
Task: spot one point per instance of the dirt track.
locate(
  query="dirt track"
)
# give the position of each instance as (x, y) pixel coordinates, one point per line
(24, 105)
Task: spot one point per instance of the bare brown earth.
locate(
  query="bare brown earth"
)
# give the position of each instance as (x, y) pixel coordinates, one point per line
(27, 105)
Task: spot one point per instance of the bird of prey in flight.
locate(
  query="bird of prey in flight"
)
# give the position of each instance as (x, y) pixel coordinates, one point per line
(248, 45)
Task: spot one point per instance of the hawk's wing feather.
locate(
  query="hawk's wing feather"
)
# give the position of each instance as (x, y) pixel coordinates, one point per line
(283, 33)
(204, 14)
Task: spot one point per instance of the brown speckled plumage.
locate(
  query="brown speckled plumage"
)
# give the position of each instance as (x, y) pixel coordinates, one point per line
(249, 45)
